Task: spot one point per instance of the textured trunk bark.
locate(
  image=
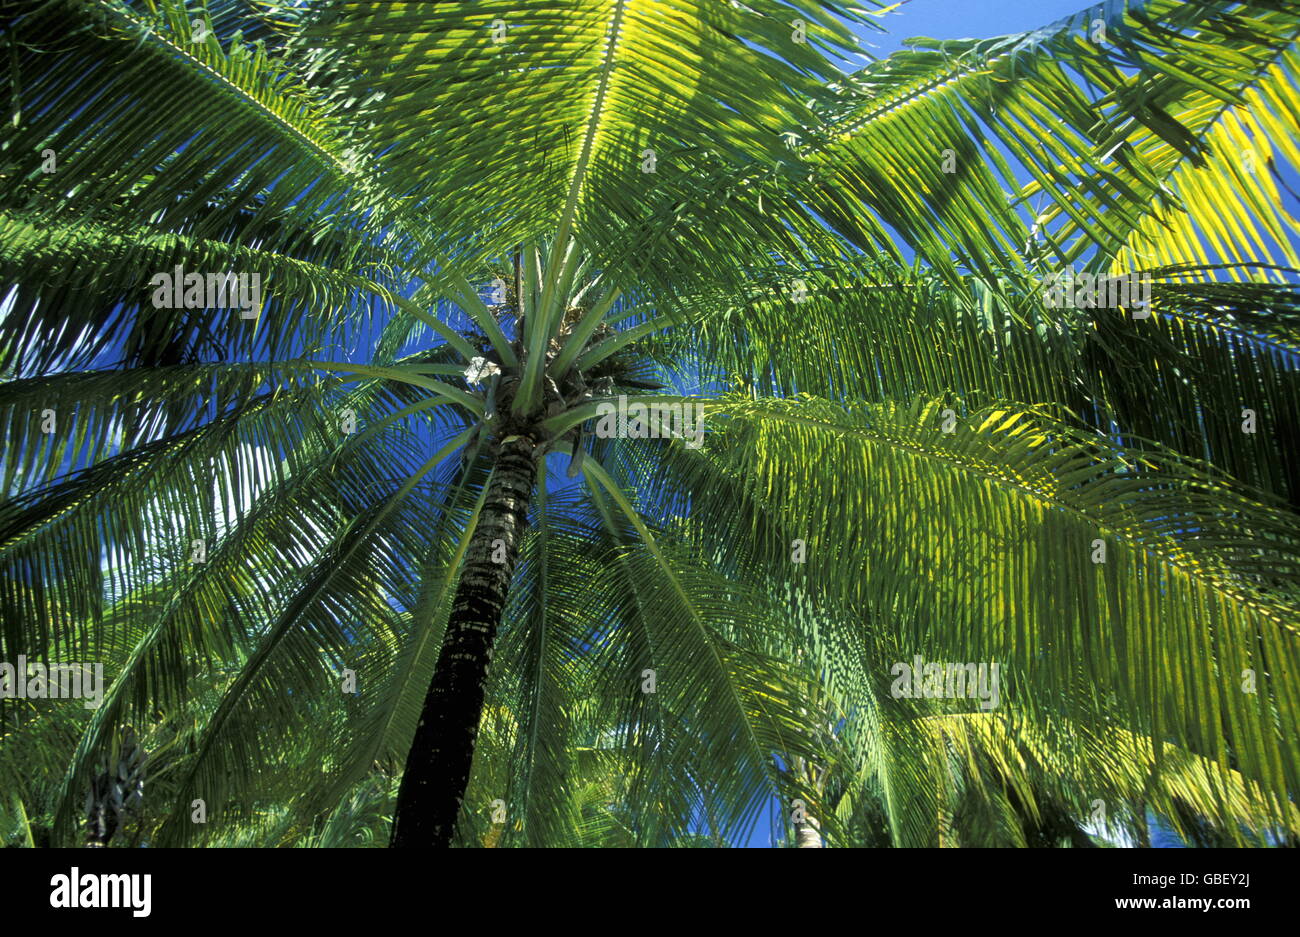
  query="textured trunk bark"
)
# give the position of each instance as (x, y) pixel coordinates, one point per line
(809, 835)
(438, 766)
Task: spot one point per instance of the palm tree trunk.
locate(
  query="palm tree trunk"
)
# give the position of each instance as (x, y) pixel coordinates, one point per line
(438, 765)
(808, 835)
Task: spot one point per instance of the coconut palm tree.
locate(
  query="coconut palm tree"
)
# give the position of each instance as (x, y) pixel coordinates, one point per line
(371, 494)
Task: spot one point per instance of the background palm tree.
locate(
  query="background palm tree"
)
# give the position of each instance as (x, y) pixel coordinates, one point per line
(370, 531)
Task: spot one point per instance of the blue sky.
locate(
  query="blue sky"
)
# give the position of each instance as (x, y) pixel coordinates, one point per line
(966, 19)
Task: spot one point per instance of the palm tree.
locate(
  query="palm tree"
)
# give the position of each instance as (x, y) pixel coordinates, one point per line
(377, 509)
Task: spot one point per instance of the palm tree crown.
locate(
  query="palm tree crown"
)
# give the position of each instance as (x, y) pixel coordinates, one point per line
(610, 404)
